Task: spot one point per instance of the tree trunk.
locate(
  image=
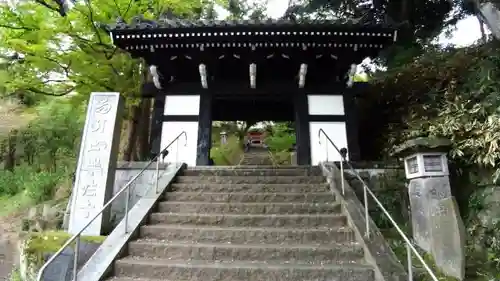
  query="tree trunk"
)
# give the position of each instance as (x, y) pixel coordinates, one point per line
(489, 12)
(132, 133)
(10, 157)
(481, 28)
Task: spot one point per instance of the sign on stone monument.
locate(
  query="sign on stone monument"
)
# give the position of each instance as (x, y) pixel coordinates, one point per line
(95, 171)
(423, 193)
(421, 232)
(448, 237)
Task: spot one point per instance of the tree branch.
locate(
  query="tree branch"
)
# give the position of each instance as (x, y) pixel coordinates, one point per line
(17, 27)
(37, 91)
(60, 9)
(91, 18)
(118, 9)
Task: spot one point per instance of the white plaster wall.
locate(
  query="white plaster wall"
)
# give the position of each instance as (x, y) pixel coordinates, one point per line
(325, 151)
(181, 152)
(325, 105)
(182, 105)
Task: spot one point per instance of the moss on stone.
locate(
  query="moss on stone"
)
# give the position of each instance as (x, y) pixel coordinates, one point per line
(39, 243)
(52, 241)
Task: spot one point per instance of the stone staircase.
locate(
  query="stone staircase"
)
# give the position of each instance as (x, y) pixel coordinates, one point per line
(256, 156)
(245, 223)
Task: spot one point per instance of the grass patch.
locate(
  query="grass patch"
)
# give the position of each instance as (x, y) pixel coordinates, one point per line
(228, 154)
(52, 241)
(13, 204)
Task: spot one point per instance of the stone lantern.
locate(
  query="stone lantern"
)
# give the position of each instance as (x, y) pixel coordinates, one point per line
(223, 138)
(436, 223)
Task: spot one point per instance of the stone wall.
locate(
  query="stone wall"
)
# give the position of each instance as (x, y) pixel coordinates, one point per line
(126, 171)
(37, 247)
(377, 251)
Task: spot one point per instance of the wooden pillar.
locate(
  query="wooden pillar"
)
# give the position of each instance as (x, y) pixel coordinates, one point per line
(157, 124)
(302, 129)
(352, 128)
(204, 130)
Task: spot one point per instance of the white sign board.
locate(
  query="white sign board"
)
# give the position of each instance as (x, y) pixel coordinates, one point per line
(95, 172)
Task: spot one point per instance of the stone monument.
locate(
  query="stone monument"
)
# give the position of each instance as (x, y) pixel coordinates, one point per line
(95, 171)
(223, 138)
(448, 237)
(433, 217)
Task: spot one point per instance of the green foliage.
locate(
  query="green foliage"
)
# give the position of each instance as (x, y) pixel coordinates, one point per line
(280, 137)
(420, 21)
(228, 154)
(447, 93)
(46, 54)
(46, 152)
(15, 275)
(452, 93)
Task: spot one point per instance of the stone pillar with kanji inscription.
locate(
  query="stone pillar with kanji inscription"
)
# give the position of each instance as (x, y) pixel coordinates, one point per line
(436, 222)
(95, 171)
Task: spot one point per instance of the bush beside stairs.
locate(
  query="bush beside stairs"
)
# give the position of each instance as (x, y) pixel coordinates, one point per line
(246, 223)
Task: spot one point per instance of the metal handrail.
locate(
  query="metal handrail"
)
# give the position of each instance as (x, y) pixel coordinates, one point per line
(76, 237)
(409, 246)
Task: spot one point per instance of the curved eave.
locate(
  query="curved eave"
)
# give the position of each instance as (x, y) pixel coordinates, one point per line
(139, 47)
(145, 38)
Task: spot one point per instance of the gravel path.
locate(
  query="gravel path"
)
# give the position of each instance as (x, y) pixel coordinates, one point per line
(9, 256)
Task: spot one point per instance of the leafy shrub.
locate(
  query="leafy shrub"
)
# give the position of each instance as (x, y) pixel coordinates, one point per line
(228, 154)
(281, 137)
(46, 149)
(38, 185)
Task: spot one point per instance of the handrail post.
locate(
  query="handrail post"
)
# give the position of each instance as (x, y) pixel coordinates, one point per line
(176, 154)
(157, 173)
(367, 216)
(410, 262)
(342, 176)
(127, 199)
(75, 261)
(326, 148)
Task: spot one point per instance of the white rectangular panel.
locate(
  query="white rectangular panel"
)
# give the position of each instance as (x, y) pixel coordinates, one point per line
(321, 149)
(181, 151)
(325, 105)
(182, 105)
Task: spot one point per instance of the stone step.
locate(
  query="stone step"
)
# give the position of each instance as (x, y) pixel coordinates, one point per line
(251, 235)
(236, 271)
(275, 188)
(249, 208)
(261, 167)
(251, 179)
(310, 254)
(293, 220)
(125, 278)
(252, 172)
(242, 197)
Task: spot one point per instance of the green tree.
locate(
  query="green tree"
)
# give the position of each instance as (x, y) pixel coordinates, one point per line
(51, 51)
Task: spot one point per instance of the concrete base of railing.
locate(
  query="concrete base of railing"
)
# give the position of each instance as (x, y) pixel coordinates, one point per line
(377, 252)
(101, 262)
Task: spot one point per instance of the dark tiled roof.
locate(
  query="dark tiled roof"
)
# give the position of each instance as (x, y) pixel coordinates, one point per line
(139, 23)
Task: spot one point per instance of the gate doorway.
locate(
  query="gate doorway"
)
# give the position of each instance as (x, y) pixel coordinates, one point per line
(248, 130)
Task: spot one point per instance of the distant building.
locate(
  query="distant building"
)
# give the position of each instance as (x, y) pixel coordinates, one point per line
(256, 138)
